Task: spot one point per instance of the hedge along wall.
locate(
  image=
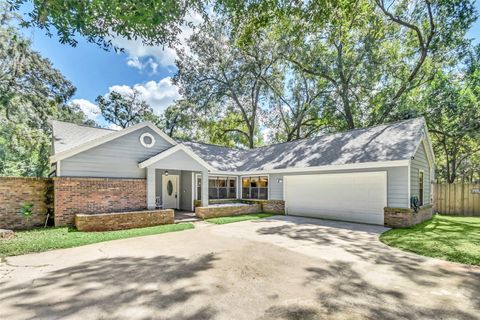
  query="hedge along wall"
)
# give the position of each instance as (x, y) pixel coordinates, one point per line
(96, 195)
(16, 192)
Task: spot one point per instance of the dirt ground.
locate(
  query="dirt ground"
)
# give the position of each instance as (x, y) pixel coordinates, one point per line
(276, 268)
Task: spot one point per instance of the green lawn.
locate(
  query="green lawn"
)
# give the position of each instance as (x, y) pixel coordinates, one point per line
(243, 217)
(445, 237)
(38, 240)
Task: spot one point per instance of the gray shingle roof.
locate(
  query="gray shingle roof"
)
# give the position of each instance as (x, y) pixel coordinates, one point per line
(387, 142)
(69, 135)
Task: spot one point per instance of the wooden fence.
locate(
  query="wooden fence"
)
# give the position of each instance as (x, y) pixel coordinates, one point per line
(460, 199)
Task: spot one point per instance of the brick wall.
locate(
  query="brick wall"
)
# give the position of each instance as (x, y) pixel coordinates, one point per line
(123, 220)
(14, 192)
(405, 217)
(226, 211)
(267, 206)
(96, 195)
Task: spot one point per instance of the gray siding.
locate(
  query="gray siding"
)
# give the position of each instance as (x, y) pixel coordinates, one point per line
(178, 160)
(397, 184)
(420, 162)
(186, 190)
(118, 158)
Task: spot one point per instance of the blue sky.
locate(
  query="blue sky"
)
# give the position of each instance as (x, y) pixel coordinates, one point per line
(95, 72)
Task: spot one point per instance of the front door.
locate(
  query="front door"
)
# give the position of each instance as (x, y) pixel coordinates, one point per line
(170, 191)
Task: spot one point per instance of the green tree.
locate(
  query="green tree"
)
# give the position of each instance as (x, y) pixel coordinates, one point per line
(155, 22)
(31, 93)
(215, 72)
(180, 120)
(125, 110)
(372, 54)
(452, 110)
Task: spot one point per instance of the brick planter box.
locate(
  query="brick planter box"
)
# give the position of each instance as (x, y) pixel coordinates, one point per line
(267, 206)
(406, 217)
(123, 220)
(227, 210)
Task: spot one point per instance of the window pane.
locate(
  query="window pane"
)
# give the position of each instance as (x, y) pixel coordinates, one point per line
(212, 182)
(231, 182)
(254, 193)
(232, 193)
(254, 182)
(199, 193)
(263, 182)
(212, 193)
(263, 193)
(245, 182)
(222, 182)
(222, 193)
(245, 193)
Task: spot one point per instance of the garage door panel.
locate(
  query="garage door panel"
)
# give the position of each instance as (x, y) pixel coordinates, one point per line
(358, 197)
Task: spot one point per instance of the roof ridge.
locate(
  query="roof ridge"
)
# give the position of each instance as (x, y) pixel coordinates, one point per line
(339, 132)
(214, 145)
(83, 125)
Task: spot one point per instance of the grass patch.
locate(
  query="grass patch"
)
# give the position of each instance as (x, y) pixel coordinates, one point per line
(445, 237)
(243, 217)
(38, 240)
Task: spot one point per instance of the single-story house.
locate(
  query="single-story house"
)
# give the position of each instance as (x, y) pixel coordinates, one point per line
(354, 175)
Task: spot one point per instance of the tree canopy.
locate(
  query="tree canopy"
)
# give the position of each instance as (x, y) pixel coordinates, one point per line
(32, 92)
(260, 71)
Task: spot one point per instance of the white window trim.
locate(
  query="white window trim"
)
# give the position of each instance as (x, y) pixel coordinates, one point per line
(255, 175)
(199, 176)
(423, 191)
(226, 176)
(147, 135)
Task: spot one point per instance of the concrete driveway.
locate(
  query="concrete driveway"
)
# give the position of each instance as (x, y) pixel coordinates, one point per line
(277, 268)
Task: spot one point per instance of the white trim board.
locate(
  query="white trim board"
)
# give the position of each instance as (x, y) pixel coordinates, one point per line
(172, 150)
(109, 137)
(334, 167)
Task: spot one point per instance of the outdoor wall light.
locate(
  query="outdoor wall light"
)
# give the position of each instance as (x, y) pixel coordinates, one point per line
(279, 180)
(166, 172)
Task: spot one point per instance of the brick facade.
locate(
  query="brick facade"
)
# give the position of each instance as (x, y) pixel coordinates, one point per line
(267, 206)
(226, 211)
(123, 220)
(405, 217)
(96, 195)
(17, 191)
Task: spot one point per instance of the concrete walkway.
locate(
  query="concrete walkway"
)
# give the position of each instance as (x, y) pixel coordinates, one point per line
(276, 268)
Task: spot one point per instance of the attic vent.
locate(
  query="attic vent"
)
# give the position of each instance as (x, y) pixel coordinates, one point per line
(147, 140)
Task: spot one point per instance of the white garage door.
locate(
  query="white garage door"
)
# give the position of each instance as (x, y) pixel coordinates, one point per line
(358, 197)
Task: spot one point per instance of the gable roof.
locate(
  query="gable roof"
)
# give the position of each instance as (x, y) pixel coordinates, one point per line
(68, 137)
(386, 145)
(395, 141)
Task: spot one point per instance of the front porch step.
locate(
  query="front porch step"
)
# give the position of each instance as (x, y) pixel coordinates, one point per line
(185, 216)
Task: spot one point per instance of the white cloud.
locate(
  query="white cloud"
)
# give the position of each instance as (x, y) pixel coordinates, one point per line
(149, 58)
(159, 95)
(91, 110)
(113, 126)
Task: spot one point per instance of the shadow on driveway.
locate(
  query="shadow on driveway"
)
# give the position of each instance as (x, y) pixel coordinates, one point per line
(108, 284)
(364, 278)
